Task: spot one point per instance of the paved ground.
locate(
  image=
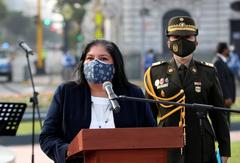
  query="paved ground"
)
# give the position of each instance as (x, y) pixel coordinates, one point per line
(23, 153)
(235, 135)
(21, 147)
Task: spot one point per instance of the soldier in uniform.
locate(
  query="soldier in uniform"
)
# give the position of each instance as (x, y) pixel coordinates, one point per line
(185, 80)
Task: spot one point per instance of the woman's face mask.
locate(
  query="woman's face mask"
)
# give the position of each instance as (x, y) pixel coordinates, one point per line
(98, 72)
(182, 47)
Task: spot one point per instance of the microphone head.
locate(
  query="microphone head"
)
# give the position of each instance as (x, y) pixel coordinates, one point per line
(20, 42)
(23, 44)
(116, 110)
(107, 83)
(25, 47)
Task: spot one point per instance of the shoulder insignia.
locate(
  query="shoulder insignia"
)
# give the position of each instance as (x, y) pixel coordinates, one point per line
(158, 63)
(207, 64)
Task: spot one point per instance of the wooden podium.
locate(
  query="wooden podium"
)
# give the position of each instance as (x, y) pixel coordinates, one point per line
(125, 145)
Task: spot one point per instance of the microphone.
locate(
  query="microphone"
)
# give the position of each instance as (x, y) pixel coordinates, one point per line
(26, 48)
(107, 86)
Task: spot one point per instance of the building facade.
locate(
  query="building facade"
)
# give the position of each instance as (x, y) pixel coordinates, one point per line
(138, 25)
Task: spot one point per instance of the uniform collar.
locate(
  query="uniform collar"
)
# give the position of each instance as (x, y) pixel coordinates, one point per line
(191, 74)
(186, 64)
(192, 66)
(173, 66)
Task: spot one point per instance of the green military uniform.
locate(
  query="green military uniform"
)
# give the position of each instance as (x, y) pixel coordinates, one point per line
(200, 85)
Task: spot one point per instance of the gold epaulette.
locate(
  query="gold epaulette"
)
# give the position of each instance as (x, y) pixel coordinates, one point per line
(158, 63)
(207, 64)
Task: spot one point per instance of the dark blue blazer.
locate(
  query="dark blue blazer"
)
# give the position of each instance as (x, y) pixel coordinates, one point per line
(226, 78)
(70, 111)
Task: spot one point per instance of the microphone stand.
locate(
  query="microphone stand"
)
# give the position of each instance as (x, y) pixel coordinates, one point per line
(200, 114)
(34, 101)
(188, 105)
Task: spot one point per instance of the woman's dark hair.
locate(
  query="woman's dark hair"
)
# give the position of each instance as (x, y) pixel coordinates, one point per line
(119, 80)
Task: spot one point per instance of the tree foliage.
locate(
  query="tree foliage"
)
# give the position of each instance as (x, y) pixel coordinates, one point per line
(19, 27)
(3, 10)
(78, 13)
(17, 23)
(14, 26)
(81, 2)
(77, 16)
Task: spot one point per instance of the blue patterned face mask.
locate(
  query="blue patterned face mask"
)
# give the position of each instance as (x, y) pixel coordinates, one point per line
(98, 72)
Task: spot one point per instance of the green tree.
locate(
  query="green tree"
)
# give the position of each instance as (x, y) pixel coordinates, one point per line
(3, 13)
(19, 26)
(78, 13)
(77, 16)
(3, 10)
(72, 2)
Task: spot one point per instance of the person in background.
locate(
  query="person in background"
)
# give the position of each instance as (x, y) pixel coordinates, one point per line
(148, 59)
(84, 103)
(68, 62)
(233, 62)
(225, 75)
(186, 80)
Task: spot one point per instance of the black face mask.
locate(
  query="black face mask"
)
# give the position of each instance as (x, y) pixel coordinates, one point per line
(182, 47)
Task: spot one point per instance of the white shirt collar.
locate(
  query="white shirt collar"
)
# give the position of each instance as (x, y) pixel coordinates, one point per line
(224, 59)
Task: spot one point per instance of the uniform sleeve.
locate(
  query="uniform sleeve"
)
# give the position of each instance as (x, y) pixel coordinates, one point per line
(219, 118)
(51, 137)
(153, 106)
(148, 119)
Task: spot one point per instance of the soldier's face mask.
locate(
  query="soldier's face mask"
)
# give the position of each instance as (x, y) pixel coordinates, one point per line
(98, 72)
(182, 47)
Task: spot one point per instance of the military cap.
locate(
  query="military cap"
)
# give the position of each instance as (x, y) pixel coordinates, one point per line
(181, 26)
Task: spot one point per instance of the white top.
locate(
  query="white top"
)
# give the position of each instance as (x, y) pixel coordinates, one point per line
(102, 115)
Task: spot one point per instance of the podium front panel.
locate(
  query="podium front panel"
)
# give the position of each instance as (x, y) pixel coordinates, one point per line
(127, 156)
